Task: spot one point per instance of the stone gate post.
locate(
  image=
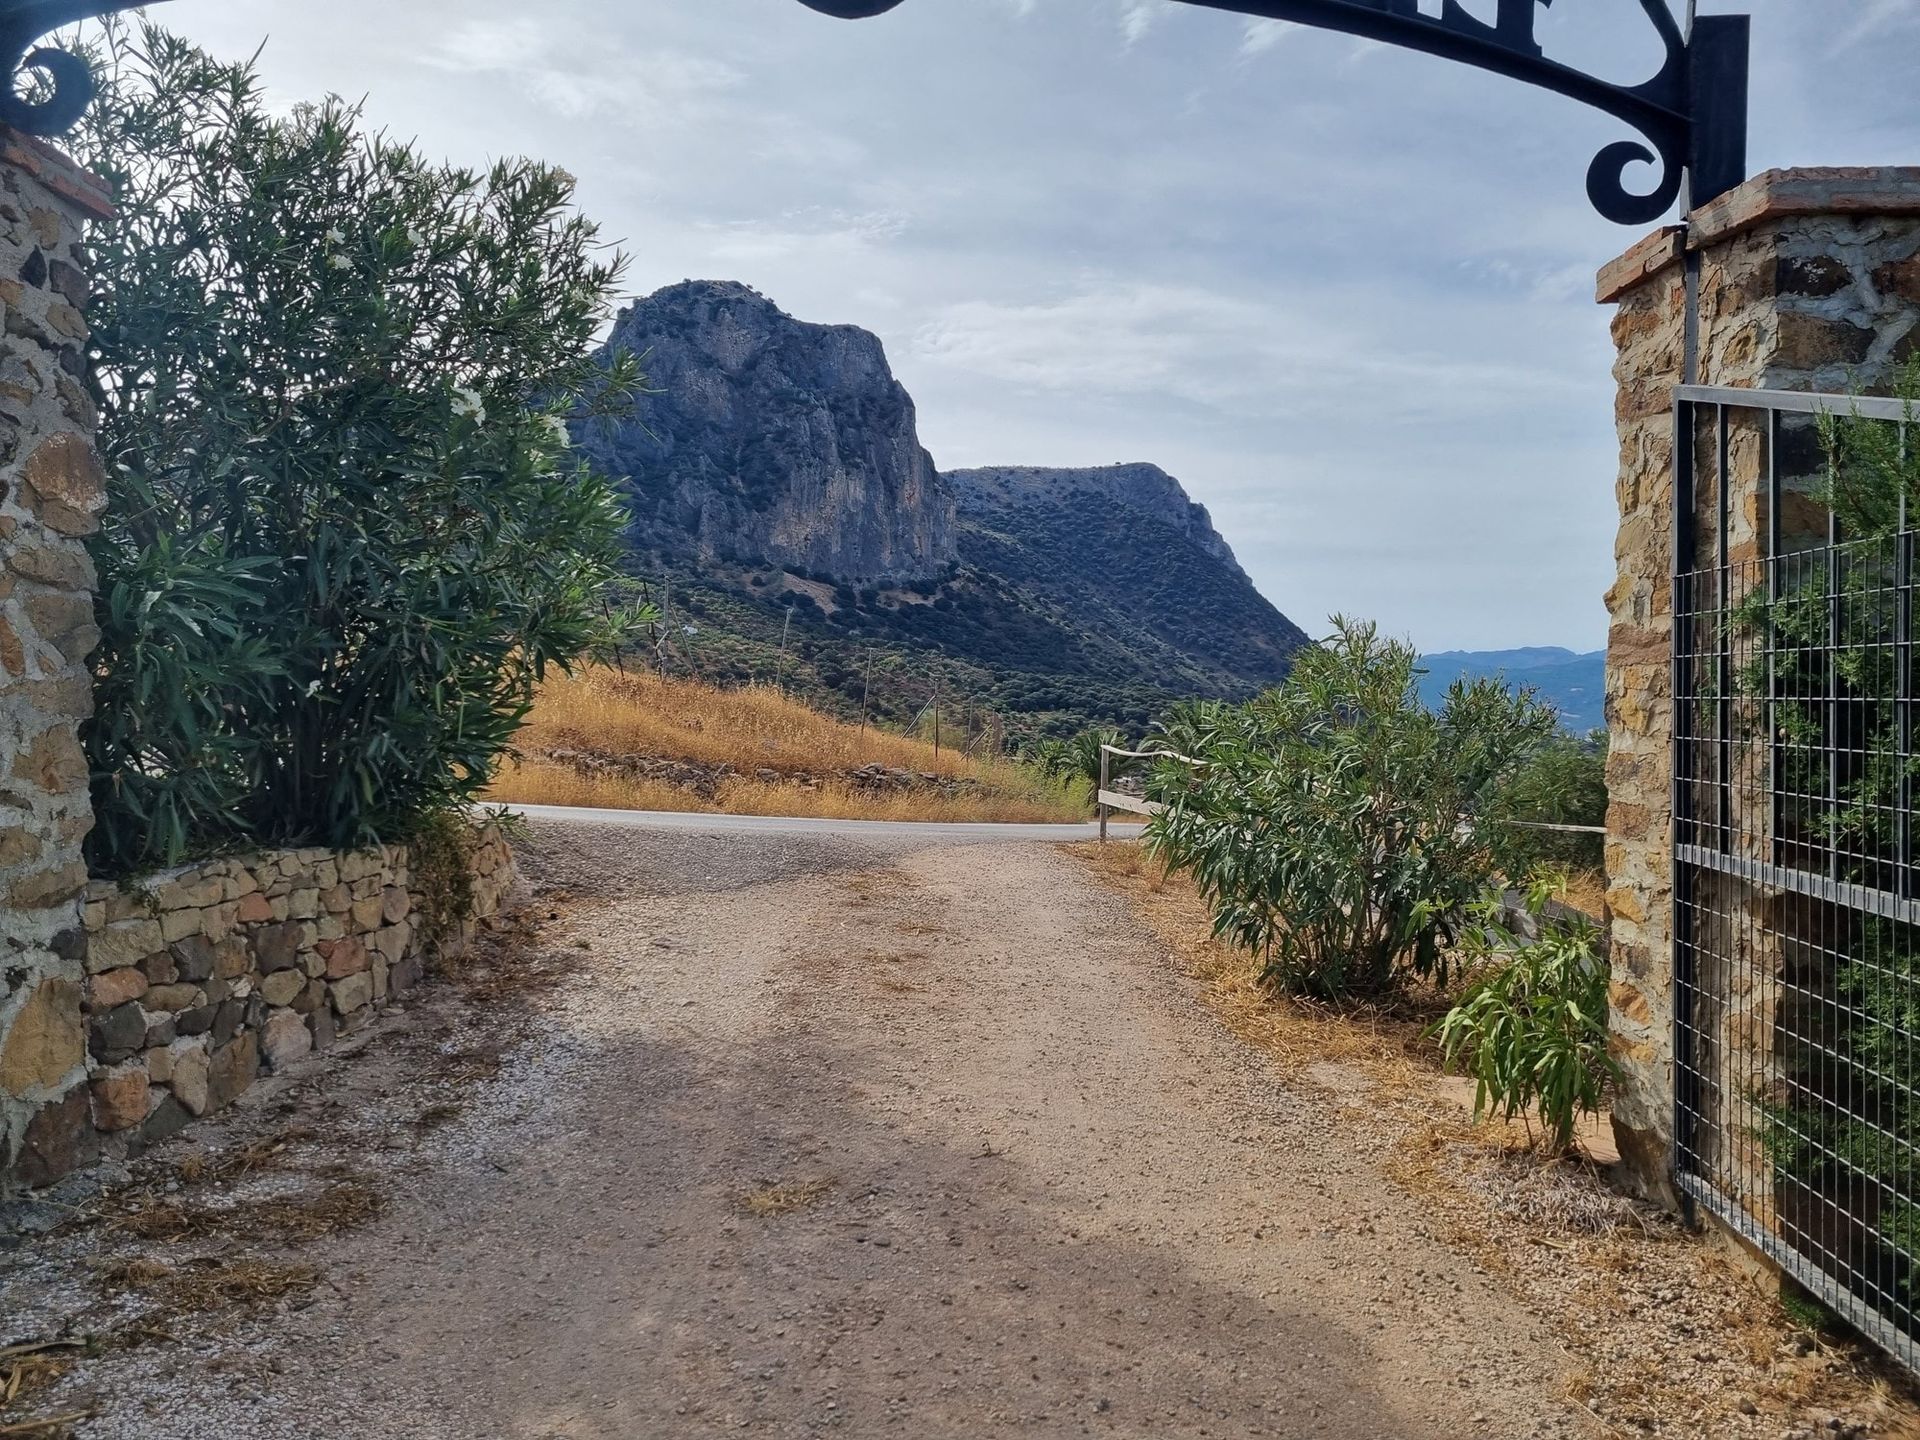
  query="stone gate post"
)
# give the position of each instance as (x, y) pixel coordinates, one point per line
(51, 495)
(1808, 280)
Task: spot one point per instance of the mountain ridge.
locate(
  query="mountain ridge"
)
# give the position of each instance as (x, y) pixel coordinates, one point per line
(1574, 682)
(781, 496)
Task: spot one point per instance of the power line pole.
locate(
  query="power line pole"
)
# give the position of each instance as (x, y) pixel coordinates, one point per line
(866, 689)
(785, 626)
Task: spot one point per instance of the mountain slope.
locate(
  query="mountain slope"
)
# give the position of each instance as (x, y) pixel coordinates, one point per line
(1576, 684)
(1125, 551)
(792, 524)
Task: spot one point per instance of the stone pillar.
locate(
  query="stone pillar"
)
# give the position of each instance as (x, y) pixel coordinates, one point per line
(1809, 280)
(51, 495)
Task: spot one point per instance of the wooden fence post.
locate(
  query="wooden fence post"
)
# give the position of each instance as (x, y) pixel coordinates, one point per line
(1099, 804)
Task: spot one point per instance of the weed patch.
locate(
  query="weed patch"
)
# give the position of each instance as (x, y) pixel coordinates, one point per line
(785, 1197)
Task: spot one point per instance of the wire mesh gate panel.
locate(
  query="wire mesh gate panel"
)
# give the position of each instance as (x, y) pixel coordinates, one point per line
(1796, 910)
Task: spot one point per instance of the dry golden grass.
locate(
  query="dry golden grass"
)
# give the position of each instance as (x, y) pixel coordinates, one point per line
(785, 1197)
(755, 727)
(26, 1368)
(752, 729)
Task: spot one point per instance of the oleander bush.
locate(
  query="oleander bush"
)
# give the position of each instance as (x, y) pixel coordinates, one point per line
(1338, 828)
(348, 533)
(1531, 1028)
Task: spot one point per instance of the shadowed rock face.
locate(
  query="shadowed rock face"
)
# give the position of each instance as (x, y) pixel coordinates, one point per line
(772, 440)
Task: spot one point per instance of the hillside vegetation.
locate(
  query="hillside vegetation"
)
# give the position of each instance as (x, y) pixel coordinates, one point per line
(640, 741)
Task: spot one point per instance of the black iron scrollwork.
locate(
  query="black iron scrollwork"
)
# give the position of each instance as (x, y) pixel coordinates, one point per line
(66, 81)
(1693, 113)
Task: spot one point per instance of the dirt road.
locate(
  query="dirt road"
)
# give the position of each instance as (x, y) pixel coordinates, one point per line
(874, 1137)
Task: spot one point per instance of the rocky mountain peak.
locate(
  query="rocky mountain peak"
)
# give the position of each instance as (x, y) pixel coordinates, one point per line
(771, 440)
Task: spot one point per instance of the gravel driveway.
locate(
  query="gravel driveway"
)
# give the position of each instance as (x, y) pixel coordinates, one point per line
(874, 1136)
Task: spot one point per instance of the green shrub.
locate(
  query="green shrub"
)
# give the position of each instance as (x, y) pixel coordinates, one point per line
(1335, 826)
(347, 530)
(1532, 1032)
(1564, 782)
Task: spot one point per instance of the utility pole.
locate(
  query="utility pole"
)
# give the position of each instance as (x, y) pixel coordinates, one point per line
(936, 719)
(785, 626)
(866, 689)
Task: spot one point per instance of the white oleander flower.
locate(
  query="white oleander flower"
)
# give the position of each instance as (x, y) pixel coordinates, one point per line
(415, 238)
(336, 236)
(339, 262)
(557, 427)
(467, 403)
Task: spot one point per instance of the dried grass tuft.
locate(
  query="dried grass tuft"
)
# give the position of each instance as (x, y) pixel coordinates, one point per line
(51, 1427)
(785, 1197)
(31, 1366)
(199, 1286)
(265, 1153)
(1551, 1196)
(277, 1218)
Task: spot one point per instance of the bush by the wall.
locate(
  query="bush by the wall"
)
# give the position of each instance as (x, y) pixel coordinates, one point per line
(347, 530)
(1564, 782)
(1532, 1030)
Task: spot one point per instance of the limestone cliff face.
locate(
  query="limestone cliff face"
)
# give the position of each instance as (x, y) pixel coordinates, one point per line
(770, 440)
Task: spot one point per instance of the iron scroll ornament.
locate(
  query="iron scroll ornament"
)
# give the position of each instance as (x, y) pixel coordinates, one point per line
(68, 80)
(1693, 113)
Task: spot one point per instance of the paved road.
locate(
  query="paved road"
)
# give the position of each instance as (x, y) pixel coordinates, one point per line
(897, 830)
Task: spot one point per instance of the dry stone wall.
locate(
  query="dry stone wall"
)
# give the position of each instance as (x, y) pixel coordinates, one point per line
(199, 980)
(51, 495)
(1809, 280)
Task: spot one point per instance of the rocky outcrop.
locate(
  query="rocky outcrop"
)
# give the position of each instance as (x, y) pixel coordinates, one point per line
(768, 440)
(1144, 490)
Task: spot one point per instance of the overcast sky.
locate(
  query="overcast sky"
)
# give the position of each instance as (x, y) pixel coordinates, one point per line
(1344, 292)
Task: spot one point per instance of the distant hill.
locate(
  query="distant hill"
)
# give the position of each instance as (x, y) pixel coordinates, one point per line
(1576, 684)
(787, 513)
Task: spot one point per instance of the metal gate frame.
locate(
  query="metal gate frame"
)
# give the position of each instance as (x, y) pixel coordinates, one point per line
(1716, 856)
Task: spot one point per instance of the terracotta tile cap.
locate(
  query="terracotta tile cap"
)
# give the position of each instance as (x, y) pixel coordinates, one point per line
(54, 168)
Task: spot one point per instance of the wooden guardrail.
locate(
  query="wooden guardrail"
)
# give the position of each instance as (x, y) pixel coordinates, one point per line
(1107, 800)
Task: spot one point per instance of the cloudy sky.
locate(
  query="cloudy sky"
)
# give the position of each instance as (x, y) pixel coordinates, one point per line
(1344, 292)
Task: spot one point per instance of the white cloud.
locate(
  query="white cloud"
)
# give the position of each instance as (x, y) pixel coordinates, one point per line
(1136, 18)
(1261, 36)
(1240, 355)
(654, 87)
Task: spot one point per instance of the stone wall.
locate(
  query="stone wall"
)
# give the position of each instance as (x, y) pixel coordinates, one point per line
(51, 495)
(1809, 280)
(199, 980)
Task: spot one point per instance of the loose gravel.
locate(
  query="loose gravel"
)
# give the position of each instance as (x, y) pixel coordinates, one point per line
(814, 1135)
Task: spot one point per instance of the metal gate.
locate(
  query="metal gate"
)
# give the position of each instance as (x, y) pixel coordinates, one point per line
(1796, 912)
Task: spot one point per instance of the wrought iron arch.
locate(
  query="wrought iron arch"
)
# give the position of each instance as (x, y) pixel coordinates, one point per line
(1693, 113)
(67, 78)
